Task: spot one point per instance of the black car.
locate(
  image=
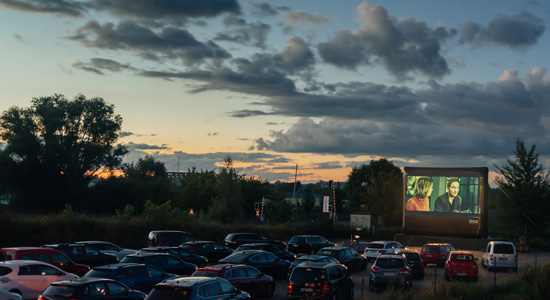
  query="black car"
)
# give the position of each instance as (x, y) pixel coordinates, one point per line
(168, 238)
(307, 258)
(184, 254)
(390, 270)
(197, 288)
(234, 240)
(308, 244)
(279, 251)
(211, 250)
(165, 261)
(85, 254)
(320, 280)
(347, 256)
(415, 262)
(264, 261)
(90, 288)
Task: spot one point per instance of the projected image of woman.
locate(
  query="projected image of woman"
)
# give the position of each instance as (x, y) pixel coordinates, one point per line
(422, 191)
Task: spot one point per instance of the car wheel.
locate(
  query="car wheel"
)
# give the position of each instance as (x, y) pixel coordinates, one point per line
(270, 290)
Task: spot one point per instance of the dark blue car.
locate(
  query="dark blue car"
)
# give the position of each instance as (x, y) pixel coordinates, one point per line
(264, 261)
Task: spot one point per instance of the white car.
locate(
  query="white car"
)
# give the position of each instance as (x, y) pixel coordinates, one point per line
(373, 249)
(107, 247)
(29, 278)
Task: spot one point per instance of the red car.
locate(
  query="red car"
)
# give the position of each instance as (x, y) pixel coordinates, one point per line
(243, 277)
(47, 255)
(436, 253)
(461, 264)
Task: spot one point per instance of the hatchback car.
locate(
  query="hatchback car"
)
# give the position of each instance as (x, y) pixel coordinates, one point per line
(347, 256)
(135, 276)
(107, 247)
(85, 254)
(243, 277)
(165, 261)
(211, 250)
(436, 253)
(90, 288)
(168, 238)
(373, 249)
(234, 240)
(197, 288)
(264, 261)
(47, 255)
(308, 244)
(461, 265)
(279, 251)
(390, 270)
(184, 254)
(320, 280)
(306, 258)
(29, 278)
(415, 262)
(499, 254)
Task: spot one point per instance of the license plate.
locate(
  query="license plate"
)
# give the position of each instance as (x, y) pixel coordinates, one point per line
(390, 273)
(306, 290)
(503, 258)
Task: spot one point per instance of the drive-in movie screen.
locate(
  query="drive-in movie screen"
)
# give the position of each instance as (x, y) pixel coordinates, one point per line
(445, 201)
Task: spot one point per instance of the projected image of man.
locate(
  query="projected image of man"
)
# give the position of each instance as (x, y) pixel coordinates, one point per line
(450, 201)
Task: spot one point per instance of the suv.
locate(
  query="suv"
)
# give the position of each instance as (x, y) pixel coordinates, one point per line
(499, 254)
(234, 240)
(461, 264)
(47, 255)
(436, 253)
(320, 280)
(168, 238)
(373, 249)
(390, 270)
(85, 254)
(197, 288)
(347, 256)
(308, 244)
(167, 262)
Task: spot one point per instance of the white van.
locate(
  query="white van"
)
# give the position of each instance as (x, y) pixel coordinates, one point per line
(499, 254)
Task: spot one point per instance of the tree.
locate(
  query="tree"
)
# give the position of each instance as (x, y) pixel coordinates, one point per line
(55, 147)
(525, 186)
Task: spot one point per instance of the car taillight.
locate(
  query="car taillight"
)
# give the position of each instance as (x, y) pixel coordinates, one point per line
(374, 269)
(491, 257)
(381, 251)
(325, 289)
(289, 287)
(404, 271)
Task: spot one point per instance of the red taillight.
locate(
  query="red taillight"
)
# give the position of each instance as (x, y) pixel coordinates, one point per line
(325, 289)
(374, 269)
(404, 271)
(381, 251)
(289, 287)
(491, 257)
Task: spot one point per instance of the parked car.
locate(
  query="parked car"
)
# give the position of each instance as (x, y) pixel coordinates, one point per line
(90, 288)
(184, 254)
(499, 254)
(347, 256)
(29, 278)
(462, 265)
(314, 258)
(436, 253)
(308, 244)
(211, 250)
(197, 288)
(5, 295)
(139, 277)
(243, 277)
(279, 251)
(47, 255)
(390, 270)
(234, 240)
(84, 254)
(107, 247)
(415, 262)
(168, 238)
(264, 261)
(373, 249)
(320, 280)
(167, 262)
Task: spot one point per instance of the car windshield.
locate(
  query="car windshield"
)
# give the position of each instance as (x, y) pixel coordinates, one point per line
(389, 263)
(296, 239)
(309, 275)
(162, 292)
(504, 249)
(97, 273)
(60, 291)
(327, 252)
(205, 273)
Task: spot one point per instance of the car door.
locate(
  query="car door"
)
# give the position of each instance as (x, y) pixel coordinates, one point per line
(31, 279)
(217, 251)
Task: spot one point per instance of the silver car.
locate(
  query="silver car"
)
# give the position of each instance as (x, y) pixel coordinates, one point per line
(499, 254)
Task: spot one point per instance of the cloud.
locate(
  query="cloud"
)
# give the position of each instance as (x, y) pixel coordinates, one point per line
(328, 165)
(401, 46)
(170, 42)
(251, 34)
(264, 9)
(516, 32)
(98, 65)
(134, 146)
(57, 7)
(300, 17)
(295, 56)
(125, 134)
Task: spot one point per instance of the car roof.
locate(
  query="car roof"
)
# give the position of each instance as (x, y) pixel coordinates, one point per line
(187, 281)
(199, 242)
(312, 256)
(462, 252)
(147, 254)
(391, 255)
(82, 280)
(250, 251)
(406, 250)
(29, 249)
(335, 248)
(315, 264)
(117, 266)
(170, 231)
(219, 267)
(437, 244)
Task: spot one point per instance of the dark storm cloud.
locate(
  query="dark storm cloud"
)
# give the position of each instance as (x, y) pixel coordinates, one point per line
(264, 9)
(296, 56)
(170, 42)
(401, 46)
(125, 134)
(518, 31)
(155, 9)
(98, 65)
(251, 34)
(58, 7)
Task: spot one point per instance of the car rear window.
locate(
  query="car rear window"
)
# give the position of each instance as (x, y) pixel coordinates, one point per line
(503, 249)
(163, 292)
(60, 291)
(327, 252)
(389, 263)
(206, 273)
(376, 246)
(309, 275)
(429, 249)
(462, 257)
(413, 257)
(97, 273)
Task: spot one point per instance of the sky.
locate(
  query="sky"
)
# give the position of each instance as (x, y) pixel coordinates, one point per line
(317, 86)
